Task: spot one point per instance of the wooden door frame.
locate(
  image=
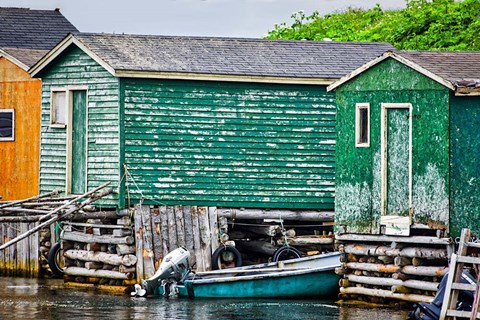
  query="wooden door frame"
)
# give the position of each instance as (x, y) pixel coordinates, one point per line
(69, 93)
(384, 160)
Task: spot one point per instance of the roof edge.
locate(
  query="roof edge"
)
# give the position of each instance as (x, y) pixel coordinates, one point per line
(399, 58)
(221, 77)
(60, 48)
(14, 60)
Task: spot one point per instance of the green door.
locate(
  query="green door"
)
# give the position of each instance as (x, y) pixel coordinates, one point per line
(397, 167)
(79, 141)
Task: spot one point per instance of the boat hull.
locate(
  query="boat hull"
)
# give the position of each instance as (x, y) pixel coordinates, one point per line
(285, 285)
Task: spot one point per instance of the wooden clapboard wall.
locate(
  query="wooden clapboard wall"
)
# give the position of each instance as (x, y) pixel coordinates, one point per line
(160, 230)
(22, 258)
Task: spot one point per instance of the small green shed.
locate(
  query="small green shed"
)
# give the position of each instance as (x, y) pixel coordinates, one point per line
(408, 142)
(194, 121)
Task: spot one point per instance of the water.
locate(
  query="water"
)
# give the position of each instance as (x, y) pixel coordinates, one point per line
(48, 299)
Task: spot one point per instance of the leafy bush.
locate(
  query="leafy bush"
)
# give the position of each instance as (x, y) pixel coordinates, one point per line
(422, 25)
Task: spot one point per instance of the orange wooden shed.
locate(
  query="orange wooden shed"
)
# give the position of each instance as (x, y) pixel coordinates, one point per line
(25, 36)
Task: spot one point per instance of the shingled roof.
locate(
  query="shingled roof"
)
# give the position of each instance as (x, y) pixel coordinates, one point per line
(32, 29)
(460, 68)
(25, 58)
(457, 70)
(125, 55)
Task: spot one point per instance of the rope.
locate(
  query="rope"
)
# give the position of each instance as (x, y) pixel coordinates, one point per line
(143, 197)
(284, 232)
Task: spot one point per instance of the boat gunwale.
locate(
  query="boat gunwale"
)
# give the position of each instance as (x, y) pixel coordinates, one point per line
(258, 276)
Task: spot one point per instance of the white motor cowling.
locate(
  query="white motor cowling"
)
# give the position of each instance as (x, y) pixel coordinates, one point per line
(174, 267)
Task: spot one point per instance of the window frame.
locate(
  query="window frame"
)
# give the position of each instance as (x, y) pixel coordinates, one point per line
(53, 123)
(12, 112)
(358, 108)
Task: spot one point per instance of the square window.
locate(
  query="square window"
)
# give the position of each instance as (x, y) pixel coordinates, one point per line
(59, 108)
(362, 131)
(7, 125)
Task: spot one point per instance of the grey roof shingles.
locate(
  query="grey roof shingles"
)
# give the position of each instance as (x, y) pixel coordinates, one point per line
(26, 56)
(231, 56)
(32, 29)
(453, 66)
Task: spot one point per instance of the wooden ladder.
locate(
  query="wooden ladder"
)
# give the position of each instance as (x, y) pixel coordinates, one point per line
(454, 284)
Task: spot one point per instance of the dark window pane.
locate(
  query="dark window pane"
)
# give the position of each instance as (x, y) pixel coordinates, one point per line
(6, 124)
(363, 123)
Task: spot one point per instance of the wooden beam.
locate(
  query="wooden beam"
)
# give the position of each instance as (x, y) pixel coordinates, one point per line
(386, 294)
(307, 215)
(383, 238)
(84, 272)
(14, 203)
(91, 238)
(58, 217)
(108, 258)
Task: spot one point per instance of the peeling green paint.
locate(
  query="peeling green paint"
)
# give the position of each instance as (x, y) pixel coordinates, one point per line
(430, 197)
(75, 69)
(230, 144)
(398, 169)
(465, 168)
(358, 172)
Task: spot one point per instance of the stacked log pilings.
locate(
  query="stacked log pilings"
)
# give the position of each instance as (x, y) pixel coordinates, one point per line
(100, 252)
(387, 269)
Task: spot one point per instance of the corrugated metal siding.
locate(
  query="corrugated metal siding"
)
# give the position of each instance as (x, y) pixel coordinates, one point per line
(229, 144)
(75, 68)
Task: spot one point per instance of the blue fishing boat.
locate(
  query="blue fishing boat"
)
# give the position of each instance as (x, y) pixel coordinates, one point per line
(307, 277)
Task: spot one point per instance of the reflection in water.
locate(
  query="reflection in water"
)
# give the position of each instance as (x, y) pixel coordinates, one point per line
(48, 299)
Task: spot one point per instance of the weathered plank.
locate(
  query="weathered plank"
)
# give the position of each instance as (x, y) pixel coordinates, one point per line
(148, 255)
(172, 228)
(189, 242)
(164, 229)
(213, 218)
(205, 237)
(157, 236)
(139, 244)
(180, 222)
(200, 263)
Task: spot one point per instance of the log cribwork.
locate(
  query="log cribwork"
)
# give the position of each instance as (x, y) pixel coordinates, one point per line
(390, 268)
(27, 230)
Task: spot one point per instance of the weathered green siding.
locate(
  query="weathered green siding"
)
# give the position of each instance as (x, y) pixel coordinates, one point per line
(229, 144)
(358, 176)
(465, 168)
(75, 68)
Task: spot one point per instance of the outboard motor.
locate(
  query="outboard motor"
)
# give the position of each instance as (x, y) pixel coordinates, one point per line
(174, 267)
(431, 311)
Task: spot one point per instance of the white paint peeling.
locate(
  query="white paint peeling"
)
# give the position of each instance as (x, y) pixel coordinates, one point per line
(327, 142)
(398, 163)
(352, 200)
(307, 165)
(169, 179)
(303, 129)
(377, 183)
(430, 198)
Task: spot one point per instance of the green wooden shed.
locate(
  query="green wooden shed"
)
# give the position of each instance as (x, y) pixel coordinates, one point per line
(193, 120)
(408, 142)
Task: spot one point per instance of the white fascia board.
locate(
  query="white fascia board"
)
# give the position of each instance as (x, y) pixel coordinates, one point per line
(61, 47)
(358, 71)
(220, 77)
(400, 59)
(13, 60)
